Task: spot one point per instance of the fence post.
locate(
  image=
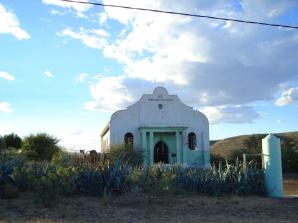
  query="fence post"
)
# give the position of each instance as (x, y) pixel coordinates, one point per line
(244, 165)
(272, 165)
(219, 167)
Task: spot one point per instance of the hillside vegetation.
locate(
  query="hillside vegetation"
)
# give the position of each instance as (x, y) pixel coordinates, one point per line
(228, 146)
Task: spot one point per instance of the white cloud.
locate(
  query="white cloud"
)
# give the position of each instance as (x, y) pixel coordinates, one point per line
(48, 73)
(97, 76)
(56, 12)
(76, 6)
(81, 77)
(75, 132)
(5, 107)
(288, 97)
(231, 114)
(91, 38)
(9, 23)
(109, 94)
(102, 18)
(222, 63)
(6, 76)
(280, 121)
(76, 140)
(100, 32)
(208, 63)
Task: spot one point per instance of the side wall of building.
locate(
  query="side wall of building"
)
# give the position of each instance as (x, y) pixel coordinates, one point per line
(105, 142)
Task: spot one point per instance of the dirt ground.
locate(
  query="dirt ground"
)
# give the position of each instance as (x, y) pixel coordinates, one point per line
(290, 184)
(135, 207)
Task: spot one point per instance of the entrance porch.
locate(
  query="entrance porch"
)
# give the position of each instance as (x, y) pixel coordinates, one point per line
(163, 144)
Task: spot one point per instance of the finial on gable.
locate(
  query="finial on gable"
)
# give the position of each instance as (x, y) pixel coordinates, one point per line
(160, 91)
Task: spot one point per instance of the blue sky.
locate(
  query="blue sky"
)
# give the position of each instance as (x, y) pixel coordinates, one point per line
(65, 68)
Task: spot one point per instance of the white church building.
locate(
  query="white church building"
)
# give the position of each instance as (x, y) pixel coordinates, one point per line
(163, 128)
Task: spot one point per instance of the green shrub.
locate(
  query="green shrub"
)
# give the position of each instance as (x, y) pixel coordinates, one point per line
(25, 177)
(132, 156)
(64, 159)
(67, 180)
(158, 180)
(153, 180)
(40, 147)
(64, 176)
(47, 188)
(110, 179)
(7, 165)
(89, 181)
(116, 177)
(2, 144)
(13, 140)
(254, 183)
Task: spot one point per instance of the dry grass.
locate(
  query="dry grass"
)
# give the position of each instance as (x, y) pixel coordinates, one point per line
(134, 207)
(227, 146)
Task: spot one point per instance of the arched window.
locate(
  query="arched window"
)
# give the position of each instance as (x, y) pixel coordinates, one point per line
(128, 139)
(192, 141)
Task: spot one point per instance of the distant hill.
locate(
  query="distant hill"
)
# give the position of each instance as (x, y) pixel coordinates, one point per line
(226, 146)
(213, 142)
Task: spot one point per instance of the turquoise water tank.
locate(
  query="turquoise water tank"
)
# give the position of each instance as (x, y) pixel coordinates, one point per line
(272, 165)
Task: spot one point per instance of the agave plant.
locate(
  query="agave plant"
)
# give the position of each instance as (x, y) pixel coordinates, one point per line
(115, 177)
(7, 166)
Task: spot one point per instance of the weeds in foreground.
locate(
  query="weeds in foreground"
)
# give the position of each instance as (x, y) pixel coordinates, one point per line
(65, 177)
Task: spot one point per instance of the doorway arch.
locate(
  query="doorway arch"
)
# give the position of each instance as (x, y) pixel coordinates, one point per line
(161, 152)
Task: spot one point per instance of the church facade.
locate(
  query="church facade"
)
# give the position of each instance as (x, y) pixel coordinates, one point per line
(163, 128)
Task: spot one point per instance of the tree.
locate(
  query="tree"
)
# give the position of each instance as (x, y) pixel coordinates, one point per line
(40, 146)
(13, 140)
(253, 144)
(2, 144)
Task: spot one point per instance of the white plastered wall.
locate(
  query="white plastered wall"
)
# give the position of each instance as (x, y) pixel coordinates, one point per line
(147, 112)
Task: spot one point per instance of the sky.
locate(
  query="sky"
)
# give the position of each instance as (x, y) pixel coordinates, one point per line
(66, 67)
